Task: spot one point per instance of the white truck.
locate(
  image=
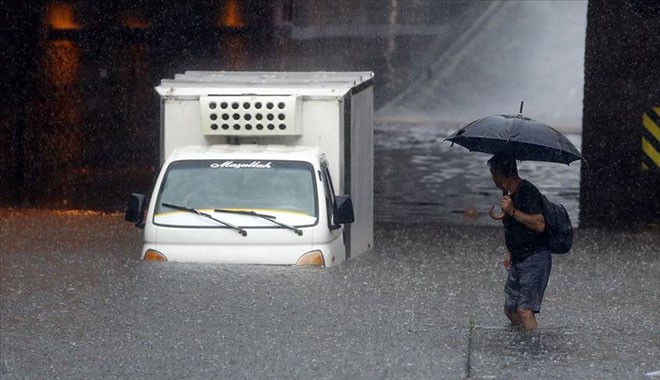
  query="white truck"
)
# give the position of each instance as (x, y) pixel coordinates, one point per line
(251, 165)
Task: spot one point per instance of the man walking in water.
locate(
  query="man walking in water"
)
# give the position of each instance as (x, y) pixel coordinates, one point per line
(528, 260)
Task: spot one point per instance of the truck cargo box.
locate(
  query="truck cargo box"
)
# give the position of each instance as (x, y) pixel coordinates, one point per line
(329, 110)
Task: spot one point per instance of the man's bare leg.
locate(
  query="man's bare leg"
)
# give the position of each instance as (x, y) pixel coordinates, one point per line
(522, 317)
(513, 317)
(528, 319)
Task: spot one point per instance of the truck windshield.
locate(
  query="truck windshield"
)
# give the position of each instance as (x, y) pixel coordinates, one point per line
(240, 185)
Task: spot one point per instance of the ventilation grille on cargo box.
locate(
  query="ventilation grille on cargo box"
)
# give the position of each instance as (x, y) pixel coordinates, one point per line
(250, 115)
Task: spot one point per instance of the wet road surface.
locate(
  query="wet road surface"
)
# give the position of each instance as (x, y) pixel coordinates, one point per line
(424, 304)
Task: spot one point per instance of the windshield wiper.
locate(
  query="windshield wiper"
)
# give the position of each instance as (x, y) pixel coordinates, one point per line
(200, 213)
(269, 218)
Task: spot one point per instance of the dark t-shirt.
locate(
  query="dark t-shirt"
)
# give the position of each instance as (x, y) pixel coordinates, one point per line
(520, 240)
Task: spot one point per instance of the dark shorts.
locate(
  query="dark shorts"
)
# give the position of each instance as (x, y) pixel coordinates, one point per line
(527, 281)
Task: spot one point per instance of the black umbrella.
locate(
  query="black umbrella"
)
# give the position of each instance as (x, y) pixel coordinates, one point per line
(525, 138)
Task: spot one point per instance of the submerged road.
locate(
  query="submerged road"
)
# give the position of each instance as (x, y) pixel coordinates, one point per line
(424, 304)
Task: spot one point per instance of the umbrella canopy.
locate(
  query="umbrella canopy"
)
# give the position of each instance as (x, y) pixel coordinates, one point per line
(526, 139)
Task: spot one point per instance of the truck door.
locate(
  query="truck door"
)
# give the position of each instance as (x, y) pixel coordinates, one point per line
(329, 191)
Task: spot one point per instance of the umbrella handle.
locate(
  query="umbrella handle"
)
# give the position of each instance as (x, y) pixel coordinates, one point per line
(492, 214)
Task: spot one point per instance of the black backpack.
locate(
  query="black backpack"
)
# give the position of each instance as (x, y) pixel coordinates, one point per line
(558, 226)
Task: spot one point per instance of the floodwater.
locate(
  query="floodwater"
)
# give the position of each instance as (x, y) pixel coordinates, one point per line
(425, 303)
(419, 178)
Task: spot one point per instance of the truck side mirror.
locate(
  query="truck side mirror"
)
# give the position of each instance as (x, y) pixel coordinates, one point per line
(342, 212)
(135, 210)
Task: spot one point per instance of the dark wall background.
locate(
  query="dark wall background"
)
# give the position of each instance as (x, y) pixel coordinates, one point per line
(80, 129)
(622, 81)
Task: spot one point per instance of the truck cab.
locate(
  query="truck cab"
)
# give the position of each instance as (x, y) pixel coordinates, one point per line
(246, 204)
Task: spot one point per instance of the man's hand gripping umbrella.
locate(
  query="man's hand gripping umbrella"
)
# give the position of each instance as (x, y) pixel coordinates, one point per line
(491, 210)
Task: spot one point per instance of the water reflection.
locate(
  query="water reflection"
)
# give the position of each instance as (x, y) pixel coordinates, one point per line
(510, 351)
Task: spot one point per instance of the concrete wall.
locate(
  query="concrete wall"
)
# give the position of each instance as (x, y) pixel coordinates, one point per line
(622, 82)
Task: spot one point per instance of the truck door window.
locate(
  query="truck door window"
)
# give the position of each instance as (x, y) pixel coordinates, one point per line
(329, 192)
(287, 186)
